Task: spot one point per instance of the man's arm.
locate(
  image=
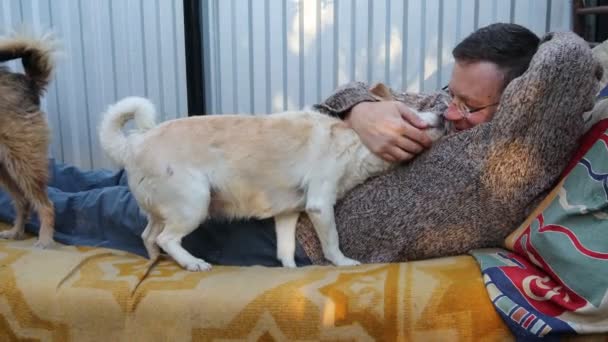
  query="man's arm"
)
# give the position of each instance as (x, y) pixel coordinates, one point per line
(345, 98)
(385, 124)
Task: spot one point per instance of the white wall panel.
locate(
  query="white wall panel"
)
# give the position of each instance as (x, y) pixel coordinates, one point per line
(110, 49)
(271, 55)
(260, 55)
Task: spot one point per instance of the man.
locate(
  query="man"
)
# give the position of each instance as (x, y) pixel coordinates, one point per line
(97, 207)
(478, 183)
(485, 62)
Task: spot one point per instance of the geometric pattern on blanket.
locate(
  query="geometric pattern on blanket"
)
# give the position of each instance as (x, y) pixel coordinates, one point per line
(72, 293)
(554, 278)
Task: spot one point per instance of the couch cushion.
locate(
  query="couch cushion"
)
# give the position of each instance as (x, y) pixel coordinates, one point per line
(80, 294)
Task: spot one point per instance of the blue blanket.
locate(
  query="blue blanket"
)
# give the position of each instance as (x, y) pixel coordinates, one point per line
(92, 208)
(603, 93)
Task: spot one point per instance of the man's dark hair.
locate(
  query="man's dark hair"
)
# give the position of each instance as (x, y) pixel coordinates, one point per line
(510, 46)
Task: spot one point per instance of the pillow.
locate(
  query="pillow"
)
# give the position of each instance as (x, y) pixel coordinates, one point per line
(554, 277)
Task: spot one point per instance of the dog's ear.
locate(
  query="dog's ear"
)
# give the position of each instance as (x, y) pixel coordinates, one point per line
(381, 92)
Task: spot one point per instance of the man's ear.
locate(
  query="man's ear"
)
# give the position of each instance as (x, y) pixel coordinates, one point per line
(381, 92)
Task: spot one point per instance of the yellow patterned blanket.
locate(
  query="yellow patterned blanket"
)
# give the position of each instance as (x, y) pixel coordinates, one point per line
(84, 294)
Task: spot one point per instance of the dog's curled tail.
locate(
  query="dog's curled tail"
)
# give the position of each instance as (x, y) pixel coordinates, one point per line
(36, 53)
(113, 141)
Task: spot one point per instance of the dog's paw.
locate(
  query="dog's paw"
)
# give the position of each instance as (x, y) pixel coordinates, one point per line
(12, 234)
(197, 265)
(346, 262)
(289, 263)
(44, 243)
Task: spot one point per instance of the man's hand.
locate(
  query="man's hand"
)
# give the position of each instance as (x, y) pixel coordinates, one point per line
(389, 129)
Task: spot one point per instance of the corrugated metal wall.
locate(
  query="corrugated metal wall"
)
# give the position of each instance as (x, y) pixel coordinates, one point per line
(260, 55)
(111, 49)
(270, 55)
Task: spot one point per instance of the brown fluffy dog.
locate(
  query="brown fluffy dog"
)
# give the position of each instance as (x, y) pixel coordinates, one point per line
(24, 133)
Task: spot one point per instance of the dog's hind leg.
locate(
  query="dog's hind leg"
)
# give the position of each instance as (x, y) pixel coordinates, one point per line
(46, 213)
(170, 241)
(187, 209)
(153, 229)
(30, 176)
(22, 207)
(285, 228)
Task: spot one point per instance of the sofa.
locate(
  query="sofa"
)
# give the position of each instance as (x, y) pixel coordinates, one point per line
(72, 293)
(84, 294)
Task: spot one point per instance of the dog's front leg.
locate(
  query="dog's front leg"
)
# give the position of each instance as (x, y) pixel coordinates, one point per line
(320, 210)
(322, 218)
(285, 228)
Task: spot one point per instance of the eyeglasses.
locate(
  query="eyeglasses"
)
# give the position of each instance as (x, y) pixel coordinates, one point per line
(462, 108)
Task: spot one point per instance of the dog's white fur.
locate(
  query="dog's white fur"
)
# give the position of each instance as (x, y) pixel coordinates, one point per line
(183, 171)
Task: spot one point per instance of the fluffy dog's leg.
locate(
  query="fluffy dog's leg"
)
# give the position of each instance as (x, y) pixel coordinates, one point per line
(149, 236)
(285, 228)
(320, 210)
(46, 213)
(39, 199)
(22, 208)
(30, 177)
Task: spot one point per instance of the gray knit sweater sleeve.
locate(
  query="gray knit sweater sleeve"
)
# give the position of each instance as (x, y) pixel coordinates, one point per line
(347, 96)
(473, 188)
(344, 98)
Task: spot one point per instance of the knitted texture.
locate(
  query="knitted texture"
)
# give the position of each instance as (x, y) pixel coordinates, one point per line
(472, 188)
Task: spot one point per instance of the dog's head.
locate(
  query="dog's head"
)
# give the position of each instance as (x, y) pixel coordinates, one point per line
(436, 123)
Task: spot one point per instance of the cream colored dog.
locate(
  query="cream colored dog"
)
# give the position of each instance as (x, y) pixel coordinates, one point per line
(183, 171)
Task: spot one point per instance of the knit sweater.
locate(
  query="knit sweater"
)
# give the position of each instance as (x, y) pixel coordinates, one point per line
(471, 188)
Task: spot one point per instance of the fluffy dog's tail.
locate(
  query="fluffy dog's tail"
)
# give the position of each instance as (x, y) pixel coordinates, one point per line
(113, 141)
(36, 53)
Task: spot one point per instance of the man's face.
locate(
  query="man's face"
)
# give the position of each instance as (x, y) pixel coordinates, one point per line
(474, 85)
